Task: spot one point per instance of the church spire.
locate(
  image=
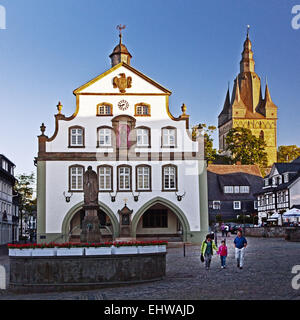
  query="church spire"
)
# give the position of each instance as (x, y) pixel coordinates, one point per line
(120, 52)
(267, 93)
(247, 63)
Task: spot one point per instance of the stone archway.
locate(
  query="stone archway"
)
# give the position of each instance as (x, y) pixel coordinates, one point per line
(175, 209)
(79, 206)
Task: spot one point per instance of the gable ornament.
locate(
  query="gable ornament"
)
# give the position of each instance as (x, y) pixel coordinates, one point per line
(122, 82)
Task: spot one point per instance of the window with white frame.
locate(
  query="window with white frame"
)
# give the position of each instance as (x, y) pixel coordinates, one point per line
(286, 178)
(266, 182)
(244, 189)
(168, 137)
(104, 137)
(142, 110)
(236, 189)
(169, 178)
(143, 178)
(124, 178)
(104, 109)
(76, 137)
(237, 205)
(105, 178)
(76, 178)
(228, 189)
(142, 137)
(216, 205)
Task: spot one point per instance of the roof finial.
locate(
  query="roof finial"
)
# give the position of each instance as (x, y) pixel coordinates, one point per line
(248, 28)
(120, 28)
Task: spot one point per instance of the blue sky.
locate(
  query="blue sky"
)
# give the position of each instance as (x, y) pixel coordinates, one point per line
(193, 48)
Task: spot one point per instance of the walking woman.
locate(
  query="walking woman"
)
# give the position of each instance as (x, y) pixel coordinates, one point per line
(207, 248)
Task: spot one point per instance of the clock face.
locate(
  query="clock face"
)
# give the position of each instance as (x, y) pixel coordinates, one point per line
(123, 105)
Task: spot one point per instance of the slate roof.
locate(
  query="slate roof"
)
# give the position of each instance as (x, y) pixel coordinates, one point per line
(216, 182)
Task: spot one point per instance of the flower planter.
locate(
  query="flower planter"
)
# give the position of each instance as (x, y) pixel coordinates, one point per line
(70, 251)
(162, 248)
(99, 251)
(12, 252)
(22, 252)
(147, 249)
(124, 250)
(45, 252)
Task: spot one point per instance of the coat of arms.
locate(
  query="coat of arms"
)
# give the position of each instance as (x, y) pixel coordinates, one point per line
(122, 82)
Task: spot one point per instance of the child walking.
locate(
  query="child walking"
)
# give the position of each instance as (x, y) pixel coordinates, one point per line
(223, 253)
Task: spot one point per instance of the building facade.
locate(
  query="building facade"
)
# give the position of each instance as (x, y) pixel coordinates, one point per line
(248, 109)
(281, 190)
(231, 190)
(9, 208)
(145, 159)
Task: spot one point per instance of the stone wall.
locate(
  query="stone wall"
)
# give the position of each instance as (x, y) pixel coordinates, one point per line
(266, 232)
(62, 273)
(292, 234)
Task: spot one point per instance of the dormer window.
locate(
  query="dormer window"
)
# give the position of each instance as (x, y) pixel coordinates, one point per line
(286, 178)
(142, 109)
(104, 109)
(266, 182)
(274, 181)
(244, 189)
(228, 189)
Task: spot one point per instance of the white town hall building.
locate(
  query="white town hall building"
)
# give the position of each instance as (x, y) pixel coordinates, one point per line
(145, 158)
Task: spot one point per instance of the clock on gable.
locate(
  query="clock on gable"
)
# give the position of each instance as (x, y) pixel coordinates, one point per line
(123, 105)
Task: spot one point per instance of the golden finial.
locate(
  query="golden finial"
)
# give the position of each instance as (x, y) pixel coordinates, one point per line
(59, 107)
(183, 109)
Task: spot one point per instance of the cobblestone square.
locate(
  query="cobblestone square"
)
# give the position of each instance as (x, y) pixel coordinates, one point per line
(266, 275)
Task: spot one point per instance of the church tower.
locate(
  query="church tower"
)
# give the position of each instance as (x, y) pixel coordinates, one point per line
(247, 108)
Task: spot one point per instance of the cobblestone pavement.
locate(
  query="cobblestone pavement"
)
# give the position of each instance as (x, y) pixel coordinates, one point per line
(266, 275)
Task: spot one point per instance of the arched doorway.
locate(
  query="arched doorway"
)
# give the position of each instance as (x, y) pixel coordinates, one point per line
(160, 219)
(71, 226)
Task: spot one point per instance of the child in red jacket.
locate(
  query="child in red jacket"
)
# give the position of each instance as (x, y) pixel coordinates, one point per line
(223, 253)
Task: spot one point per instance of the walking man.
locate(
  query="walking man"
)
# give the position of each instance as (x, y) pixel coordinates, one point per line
(240, 243)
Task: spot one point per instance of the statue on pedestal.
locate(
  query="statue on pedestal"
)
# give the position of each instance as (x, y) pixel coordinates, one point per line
(90, 225)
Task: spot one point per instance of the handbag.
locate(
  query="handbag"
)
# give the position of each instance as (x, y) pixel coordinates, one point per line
(202, 258)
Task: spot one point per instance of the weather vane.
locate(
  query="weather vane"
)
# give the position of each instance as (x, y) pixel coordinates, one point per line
(120, 28)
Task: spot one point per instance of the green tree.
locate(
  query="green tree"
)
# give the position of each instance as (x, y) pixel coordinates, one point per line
(288, 153)
(210, 152)
(24, 187)
(245, 147)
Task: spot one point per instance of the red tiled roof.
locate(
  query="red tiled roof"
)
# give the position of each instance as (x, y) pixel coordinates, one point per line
(226, 169)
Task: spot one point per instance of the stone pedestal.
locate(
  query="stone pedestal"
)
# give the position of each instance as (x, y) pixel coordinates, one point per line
(90, 226)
